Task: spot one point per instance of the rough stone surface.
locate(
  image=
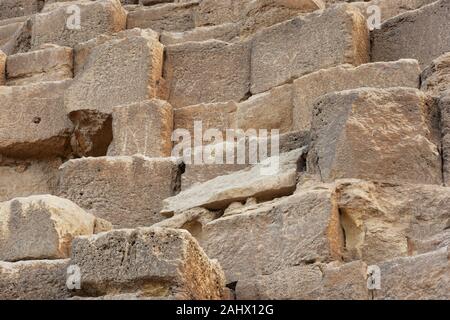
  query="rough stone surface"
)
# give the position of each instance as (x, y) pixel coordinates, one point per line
(142, 128)
(402, 73)
(226, 32)
(52, 63)
(289, 49)
(33, 122)
(376, 134)
(444, 107)
(97, 17)
(34, 280)
(18, 8)
(265, 180)
(118, 72)
(18, 37)
(156, 262)
(127, 191)
(43, 225)
(2, 68)
(222, 75)
(435, 79)
(397, 37)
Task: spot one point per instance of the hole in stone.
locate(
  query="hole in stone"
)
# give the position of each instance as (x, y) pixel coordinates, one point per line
(36, 120)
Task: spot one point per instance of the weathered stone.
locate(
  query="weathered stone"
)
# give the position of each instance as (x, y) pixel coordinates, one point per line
(435, 78)
(124, 70)
(127, 191)
(96, 17)
(51, 63)
(274, 235)
(274, 177)
(34, 280)
(311, 282)
(444, 107)
(19, 40)
(222, 75)
(33, 122)
(422, 277)
(43, 225)
(383, 221)
(402, 73)
(7, 31)
(156, 262)
(142, 128)
(289, 49)
(167, 17)
(376, 134)
(226, 32)
(18, 8)
(26, 178)
(397, 37)
(2, 68)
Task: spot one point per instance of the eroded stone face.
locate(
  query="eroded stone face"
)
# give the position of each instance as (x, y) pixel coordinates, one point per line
(43, 225)
(435, 78)
(153, 262)
(444, 106)
(127, 191)
(376, 134)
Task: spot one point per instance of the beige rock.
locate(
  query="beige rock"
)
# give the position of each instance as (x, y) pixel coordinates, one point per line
(33, 122)
(311, 282)
(275, 235)
(2, 68)
(397, 37)
(34, 280)
(43, 225)
(266, 180)
(383, 221)
(222, 75)
(402, 73)
(51, 63)
(376, 134)
(290, 49)
(225, 32)
(97, 17)
(155, 262)
(436, 77)
(167, 17)
(444, 107)
(422, 277)
(127, 191)
(121, 71)
(142, 128)
(18, 37)
(26, 178)
(18, 8)
(7, 31)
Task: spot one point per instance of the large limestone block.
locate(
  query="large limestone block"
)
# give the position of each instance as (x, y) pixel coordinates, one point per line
(33, 122)
(43, 225)
(307, 43)
(402, 73)
(422, 277)
(271, 236)
(18, 8)
(444, 106)
(382, 221)
(376, 134)
(2, 68)
(16, 37)
(312, 282)
(127, 191)
(26, 178)
(142, 128)
(96, 17)
(435, 79)
(167, 17)
(152, 262)
(398, 37)
(204, 72)
(225, 32)
(51, 63)
(124, 70)
(266, 180)
(34, 280)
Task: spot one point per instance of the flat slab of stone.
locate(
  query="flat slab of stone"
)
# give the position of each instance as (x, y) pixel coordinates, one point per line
(155, 262)
(44, 226)
(97, 17)
(308, 43)
(402, 73)
(398, 36)
(227, 32)
(34, 280)
(33, 122)
(376, 134)
(127, 191)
